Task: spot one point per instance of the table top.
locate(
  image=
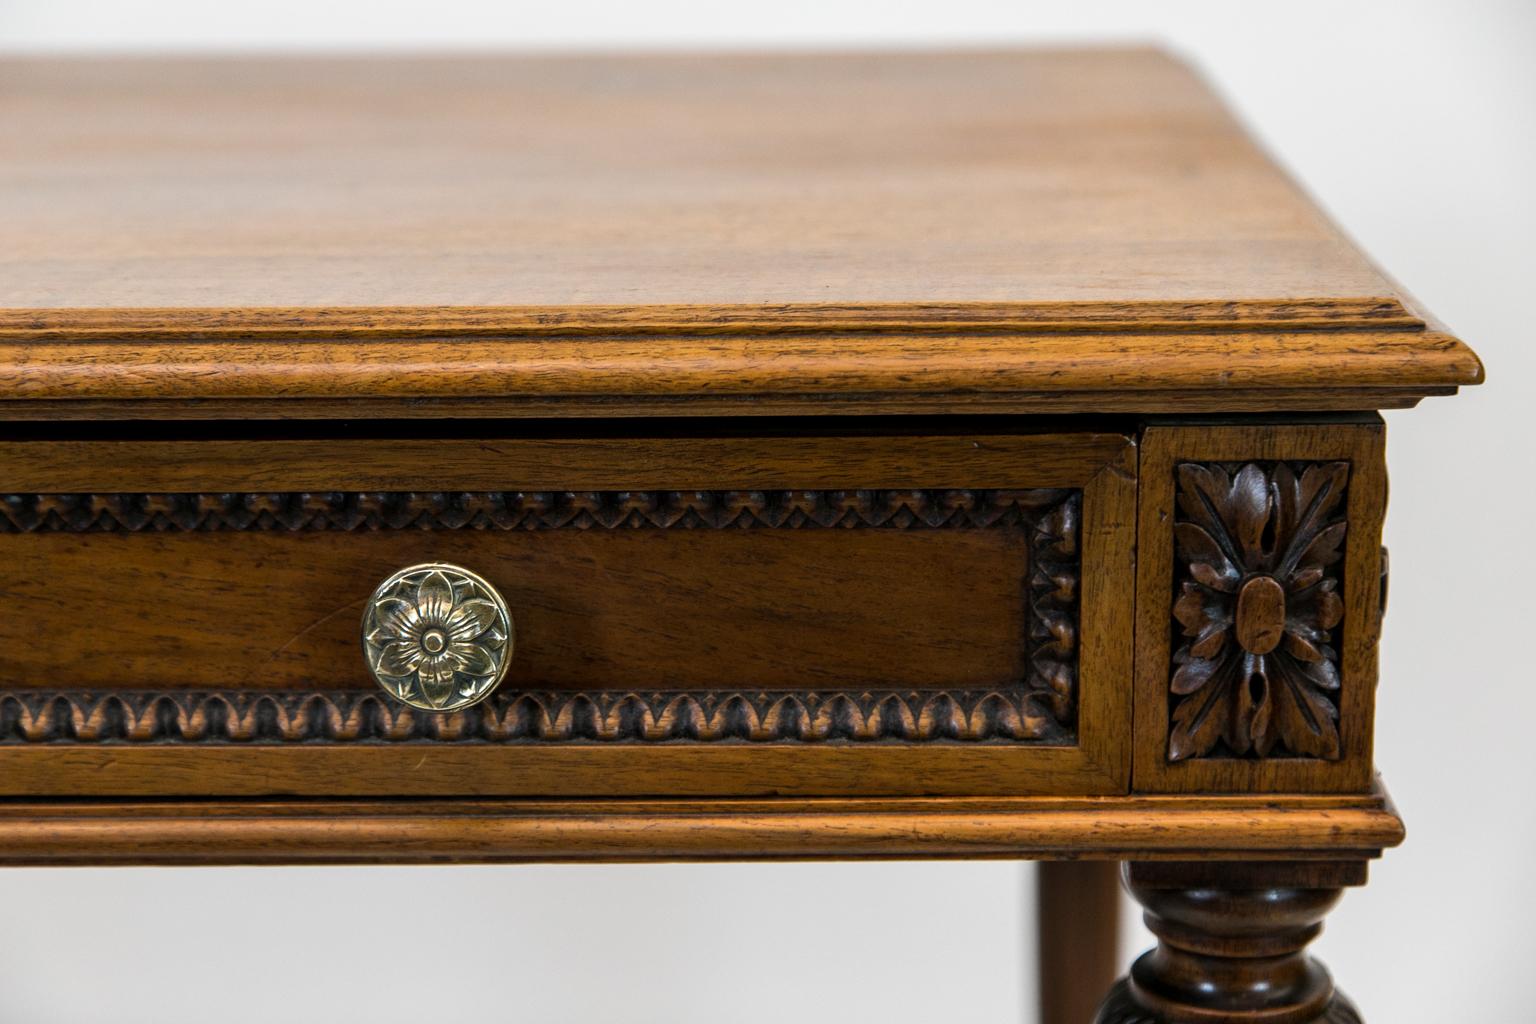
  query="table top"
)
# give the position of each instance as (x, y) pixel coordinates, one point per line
(1028, 226)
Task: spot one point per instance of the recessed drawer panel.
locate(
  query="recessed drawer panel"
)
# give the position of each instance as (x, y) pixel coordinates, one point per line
(703, 616)
(871, 599)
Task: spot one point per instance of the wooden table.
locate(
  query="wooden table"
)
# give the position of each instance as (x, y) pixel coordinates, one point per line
(670, 458)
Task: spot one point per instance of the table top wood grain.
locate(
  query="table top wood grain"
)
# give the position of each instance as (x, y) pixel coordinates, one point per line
(1048, 231)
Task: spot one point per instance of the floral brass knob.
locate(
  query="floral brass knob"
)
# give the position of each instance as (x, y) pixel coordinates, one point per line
(437, 637)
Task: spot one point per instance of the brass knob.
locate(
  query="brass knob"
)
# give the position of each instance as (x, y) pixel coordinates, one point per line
(437, 637)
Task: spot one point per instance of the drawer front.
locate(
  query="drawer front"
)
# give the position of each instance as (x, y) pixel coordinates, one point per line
(725, 616)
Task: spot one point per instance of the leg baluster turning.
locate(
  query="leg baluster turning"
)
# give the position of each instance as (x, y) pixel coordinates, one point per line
(1231, 946)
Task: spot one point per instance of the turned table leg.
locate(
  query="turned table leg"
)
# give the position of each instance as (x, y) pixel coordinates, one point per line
(1231, 942)
(1078, 917)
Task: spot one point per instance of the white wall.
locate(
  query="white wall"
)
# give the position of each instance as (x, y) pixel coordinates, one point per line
(1414, 122)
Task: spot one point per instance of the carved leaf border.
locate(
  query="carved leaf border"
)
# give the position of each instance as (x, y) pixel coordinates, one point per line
(1041, 709)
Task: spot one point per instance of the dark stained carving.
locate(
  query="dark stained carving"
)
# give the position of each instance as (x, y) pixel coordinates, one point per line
(1257, 575)
(1040, 708)
(356, 716)
(530, 510)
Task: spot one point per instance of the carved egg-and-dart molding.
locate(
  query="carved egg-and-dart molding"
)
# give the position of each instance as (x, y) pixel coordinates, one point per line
(1257, 575)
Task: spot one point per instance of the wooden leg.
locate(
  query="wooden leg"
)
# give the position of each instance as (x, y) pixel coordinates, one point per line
(1230, 945)
(1078, 919)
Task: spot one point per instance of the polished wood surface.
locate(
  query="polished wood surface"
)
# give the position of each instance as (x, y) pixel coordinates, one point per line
(1078, 933)
(747, 456)
(1177, 828)
(1030, 231)
(759, 375)
(759, 609)
(618, 192)
(1231, 945)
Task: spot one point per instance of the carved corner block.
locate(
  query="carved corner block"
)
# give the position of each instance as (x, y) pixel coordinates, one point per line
(1258, 602)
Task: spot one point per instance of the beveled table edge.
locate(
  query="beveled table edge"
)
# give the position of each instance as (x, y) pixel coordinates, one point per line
(136, 832)
(62, 322)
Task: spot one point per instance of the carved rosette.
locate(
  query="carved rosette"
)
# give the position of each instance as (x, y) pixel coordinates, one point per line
(1258, 551)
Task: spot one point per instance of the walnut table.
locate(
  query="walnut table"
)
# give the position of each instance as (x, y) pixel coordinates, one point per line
(694, 457)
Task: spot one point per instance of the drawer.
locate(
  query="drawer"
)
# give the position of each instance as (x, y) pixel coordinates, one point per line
(733, 615)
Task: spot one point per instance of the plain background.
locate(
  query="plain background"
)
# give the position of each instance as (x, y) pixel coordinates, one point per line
(1414, 123)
